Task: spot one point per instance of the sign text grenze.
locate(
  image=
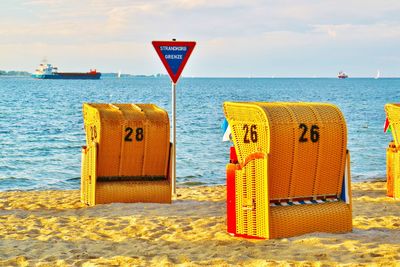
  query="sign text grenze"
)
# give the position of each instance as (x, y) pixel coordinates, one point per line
(174, 55)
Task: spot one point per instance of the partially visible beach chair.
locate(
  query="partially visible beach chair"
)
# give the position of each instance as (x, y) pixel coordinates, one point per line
(392, 152)
(127, 154)
(292, 174)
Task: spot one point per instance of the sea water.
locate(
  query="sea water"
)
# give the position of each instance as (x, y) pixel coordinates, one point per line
(41, 124)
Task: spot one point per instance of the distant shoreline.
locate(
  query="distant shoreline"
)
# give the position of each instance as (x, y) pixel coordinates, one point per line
(16, 73)
(114, 75)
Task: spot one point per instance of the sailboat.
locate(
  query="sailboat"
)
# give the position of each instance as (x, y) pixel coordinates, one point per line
(378, 75)
(119, 74)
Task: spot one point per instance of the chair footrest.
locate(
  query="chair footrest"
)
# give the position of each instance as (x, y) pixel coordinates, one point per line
(296, 220)
(133, 191)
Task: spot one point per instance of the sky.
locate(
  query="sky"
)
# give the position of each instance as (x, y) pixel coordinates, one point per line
(252, 38)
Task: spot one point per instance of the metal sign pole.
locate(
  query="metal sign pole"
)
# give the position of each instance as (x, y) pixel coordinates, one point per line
(174, 56)
(173, 154)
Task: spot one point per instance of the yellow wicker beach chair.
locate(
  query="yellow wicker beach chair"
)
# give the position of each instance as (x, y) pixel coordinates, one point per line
(292, 175)
(392, 152)
(126, 157)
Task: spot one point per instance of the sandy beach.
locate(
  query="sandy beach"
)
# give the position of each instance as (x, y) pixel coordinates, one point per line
(53, 228)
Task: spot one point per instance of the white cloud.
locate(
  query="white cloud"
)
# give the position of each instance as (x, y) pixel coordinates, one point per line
(370, 32)
(255, 31)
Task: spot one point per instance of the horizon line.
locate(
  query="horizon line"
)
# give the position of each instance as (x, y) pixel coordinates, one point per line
(161, 75)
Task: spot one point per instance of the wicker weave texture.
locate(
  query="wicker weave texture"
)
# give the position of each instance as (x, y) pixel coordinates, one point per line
(84, 175)
(301, 219)
(392, 155)
(289, 151)
(393, 114)
(252, 205)
(127, 154)
(133, 138)
(133, 191)
(242, 117)
(393, 171)
(396, 178)
(306, 141)
(255, 218)
(89, 173)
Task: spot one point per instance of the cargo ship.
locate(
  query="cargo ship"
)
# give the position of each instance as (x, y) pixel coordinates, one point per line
(48, 71)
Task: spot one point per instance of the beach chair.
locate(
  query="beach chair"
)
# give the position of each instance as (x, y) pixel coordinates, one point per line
(290, 174)
(127, 154)
(392, 152)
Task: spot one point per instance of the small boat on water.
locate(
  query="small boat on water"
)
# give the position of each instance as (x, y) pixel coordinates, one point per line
(342, 75)
(48, 71)
(378, 75)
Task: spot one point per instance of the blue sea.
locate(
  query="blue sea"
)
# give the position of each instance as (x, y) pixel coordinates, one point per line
(41, 125)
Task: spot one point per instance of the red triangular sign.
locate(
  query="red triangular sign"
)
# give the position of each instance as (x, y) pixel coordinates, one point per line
(174, 55)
